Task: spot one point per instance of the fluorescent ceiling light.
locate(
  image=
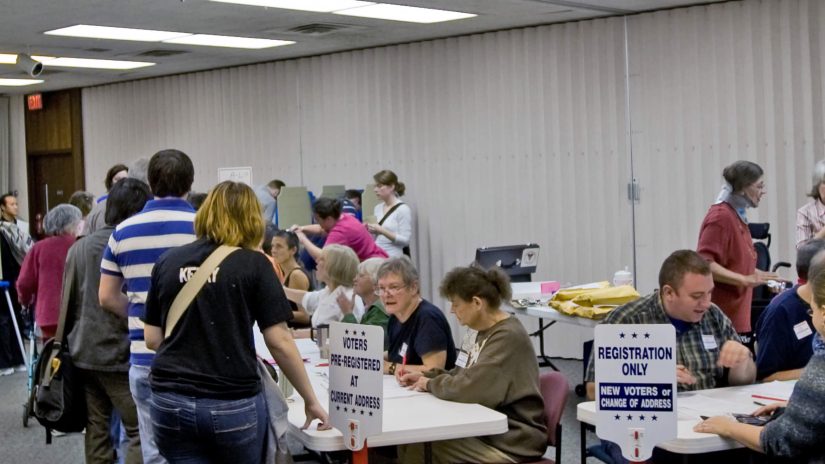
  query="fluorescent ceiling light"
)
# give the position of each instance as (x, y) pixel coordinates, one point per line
(228, 41)
(11, 58)
(320, 6)
(19, 82)
(63, 62)
(115, 33)
(410, 14)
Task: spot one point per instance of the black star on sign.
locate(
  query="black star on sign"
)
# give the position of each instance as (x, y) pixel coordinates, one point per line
(647, 335)
(370, 413)
(345, 409)
(635, 335)
(337, 408)
(363, 334)
(629, 417)
(653, 418)
(346, 332)
(621, 335)
(618, 417)
(641, 417)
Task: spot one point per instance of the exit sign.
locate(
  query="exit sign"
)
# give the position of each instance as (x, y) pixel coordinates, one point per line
(35, 101)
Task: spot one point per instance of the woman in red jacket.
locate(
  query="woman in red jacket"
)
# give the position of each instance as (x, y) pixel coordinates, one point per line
(41, 277)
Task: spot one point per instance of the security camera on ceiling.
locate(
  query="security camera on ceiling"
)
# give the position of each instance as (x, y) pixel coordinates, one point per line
(32, 67)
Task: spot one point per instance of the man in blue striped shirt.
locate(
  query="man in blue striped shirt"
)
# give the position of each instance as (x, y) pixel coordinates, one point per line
(134, 247)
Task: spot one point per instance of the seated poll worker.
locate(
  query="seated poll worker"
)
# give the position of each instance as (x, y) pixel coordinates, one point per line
(784, 331)
(709, 353)
(342, 229)
(337, 267)
(207, 401)
(796, 428)
(419, 337)
(364, 287)
(500, 372)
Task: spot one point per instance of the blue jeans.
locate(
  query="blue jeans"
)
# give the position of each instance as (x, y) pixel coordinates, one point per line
(142, 394)
(205, 430)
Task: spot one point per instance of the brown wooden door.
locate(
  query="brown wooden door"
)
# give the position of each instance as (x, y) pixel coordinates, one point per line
(51, 182)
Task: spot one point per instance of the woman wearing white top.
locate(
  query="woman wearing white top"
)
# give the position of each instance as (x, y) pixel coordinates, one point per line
(395, 229)
(337, 268)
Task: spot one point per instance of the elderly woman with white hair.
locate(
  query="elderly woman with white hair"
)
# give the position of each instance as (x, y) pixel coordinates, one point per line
(364, 287)
(810, 218)
(41, 276)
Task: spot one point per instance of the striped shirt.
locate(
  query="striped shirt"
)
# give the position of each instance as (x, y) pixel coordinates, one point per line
(809, 220)
(133, 249)
(698, 355)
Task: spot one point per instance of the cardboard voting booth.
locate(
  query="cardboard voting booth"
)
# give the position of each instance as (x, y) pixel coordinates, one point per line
(635, 386)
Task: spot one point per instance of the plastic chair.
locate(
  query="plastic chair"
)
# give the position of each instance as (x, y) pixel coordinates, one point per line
(762, 295)
(554, 390)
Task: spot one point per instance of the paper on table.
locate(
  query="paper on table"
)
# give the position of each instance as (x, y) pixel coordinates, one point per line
(776, 389)
(393, 390)
(691, 406)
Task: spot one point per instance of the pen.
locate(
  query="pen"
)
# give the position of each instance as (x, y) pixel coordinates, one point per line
(770, 398)
(403, 364)
(759, 403)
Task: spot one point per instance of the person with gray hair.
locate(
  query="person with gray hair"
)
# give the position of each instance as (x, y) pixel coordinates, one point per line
(725, 242)
(810, 218)
(364, 286)
(419, 337)
(41, 276)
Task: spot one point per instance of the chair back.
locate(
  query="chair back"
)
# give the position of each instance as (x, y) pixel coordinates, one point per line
(554, 390)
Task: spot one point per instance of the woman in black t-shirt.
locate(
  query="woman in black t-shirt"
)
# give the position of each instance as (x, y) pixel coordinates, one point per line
(207, 401)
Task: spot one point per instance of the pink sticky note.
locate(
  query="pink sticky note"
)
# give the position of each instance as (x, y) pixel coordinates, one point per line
(550, 287)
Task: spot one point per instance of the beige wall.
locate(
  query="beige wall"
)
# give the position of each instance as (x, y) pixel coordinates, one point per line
(518, 135)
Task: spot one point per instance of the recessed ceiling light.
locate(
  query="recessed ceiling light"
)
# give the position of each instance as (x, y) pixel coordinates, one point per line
(228, 41)
(63, 62)
(410, 14)
(19, 82)
(321, 6)
(115, 33)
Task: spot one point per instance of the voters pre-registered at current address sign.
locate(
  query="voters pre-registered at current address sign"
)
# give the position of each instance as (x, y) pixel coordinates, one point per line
(635, 386)
(356, 381)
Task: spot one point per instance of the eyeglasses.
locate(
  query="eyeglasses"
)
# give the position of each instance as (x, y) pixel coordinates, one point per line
(391, 290)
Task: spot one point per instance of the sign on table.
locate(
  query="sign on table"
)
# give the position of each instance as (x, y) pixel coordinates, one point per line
(356, 381)
(635, 386)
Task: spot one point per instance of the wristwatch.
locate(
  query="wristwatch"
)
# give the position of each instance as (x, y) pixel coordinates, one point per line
(391, 370)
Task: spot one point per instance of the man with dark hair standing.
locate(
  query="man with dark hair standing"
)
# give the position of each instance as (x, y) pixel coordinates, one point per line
(15, 242)
(784, 331)
(95, 218)
(268, 196)
(134, 247)
(99, 340)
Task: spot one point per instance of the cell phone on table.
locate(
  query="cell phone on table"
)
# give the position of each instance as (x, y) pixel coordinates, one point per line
(752, 420)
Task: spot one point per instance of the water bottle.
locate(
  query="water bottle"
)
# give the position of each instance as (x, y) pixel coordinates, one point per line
(622, 277)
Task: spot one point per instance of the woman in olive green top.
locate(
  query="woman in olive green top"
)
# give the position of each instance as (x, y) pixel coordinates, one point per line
(500, 372)
(364, 286)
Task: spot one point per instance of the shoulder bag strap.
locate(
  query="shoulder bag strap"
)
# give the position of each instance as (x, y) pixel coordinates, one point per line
(193, 286)
(387, 214)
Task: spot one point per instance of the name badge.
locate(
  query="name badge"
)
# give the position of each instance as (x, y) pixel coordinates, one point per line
(403, 350)
(709, 341)
(461, 361)
(802, 330)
